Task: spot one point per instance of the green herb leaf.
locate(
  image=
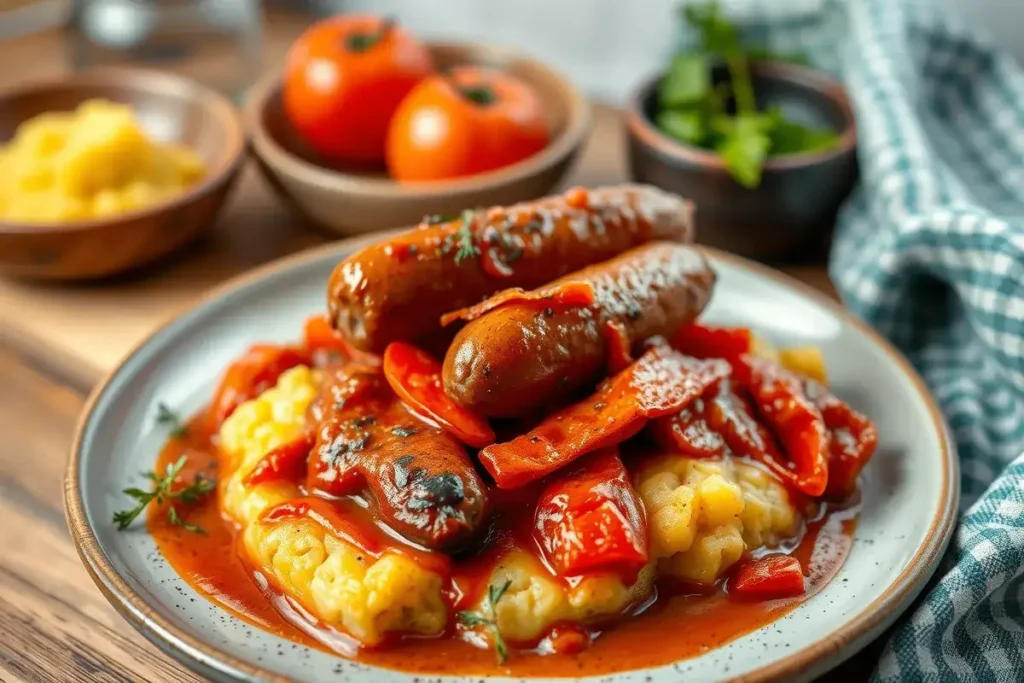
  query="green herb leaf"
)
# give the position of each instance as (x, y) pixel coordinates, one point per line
(745, 148)
(172, 516)
(465, 237)
(161, 491)
(196, 490)
(789, 137)
(790, 57)
(687, 81)
(166, 416)
(715, 33)
(687, 126)
(124, 518)
(495, 593)
(470, 619)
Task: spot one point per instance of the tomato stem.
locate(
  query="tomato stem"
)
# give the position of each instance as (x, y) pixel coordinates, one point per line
(479, 93)
(361, 42)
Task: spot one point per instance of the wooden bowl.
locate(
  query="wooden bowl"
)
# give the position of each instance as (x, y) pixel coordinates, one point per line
(170, 108)
(346, 201)
(796, 203)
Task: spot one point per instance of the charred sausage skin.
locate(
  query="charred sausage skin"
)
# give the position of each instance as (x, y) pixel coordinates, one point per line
(398, 289)
(420, 478)
(510, 360)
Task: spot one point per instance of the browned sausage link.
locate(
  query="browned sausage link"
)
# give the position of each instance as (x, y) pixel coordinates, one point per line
(518, 356)
(421, 480)
(398, 289)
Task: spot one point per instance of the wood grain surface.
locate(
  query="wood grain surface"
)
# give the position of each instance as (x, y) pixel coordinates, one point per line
(54, 344)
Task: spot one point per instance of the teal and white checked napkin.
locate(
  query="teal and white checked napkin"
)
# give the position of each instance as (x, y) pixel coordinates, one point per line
(930, 250)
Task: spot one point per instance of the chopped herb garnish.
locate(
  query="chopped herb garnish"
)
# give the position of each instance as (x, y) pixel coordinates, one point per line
(489, 619)
(403, 432)
(465, 238)
(166, 416)
(600, 405)
(172, 515)
(161, 492)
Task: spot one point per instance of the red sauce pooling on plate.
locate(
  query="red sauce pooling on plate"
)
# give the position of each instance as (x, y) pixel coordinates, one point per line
(211, 564)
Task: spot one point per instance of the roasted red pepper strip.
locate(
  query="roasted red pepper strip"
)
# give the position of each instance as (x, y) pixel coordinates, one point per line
(720, 419)
(589, 518)
(416, 377)
(563, 295)
(689, 432)
(854, 439)
(705, 341)
(619, 353)
(797, 423)
(661, 382)
(287, 462)
(251, 375)
(768, 578)
(320, 337)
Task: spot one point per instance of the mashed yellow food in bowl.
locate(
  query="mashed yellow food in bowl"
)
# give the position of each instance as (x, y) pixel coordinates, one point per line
(94, 162)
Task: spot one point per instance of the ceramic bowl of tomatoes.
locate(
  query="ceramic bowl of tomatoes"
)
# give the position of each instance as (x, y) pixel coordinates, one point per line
(367, 128)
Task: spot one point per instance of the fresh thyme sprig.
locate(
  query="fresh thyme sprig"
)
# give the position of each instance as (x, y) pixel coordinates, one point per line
(465, 237)
(161, 492)
(166, 416)
(470, 618)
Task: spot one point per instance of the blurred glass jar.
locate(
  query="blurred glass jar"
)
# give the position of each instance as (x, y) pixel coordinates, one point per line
(216, 42)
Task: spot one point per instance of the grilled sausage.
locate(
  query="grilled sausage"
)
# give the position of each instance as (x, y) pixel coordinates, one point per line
(519, 355)
(398, 289)
(421, 479)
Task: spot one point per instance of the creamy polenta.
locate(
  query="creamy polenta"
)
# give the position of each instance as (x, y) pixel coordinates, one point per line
(95, 161)
(703, 514)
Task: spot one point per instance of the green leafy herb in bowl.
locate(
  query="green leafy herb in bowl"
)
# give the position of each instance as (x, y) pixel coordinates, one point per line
(724, 116)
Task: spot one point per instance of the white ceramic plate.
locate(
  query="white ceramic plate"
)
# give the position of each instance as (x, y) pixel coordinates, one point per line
(910, 489)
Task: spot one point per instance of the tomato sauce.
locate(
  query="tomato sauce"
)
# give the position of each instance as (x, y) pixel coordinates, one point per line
(678, 623)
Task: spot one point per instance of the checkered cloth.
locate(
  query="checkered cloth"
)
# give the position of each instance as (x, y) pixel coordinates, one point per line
(930, 250)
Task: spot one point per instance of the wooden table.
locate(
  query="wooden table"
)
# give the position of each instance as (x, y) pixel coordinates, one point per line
(57, 341)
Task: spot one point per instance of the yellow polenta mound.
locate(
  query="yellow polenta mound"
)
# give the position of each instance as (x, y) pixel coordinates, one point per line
(342, 586)
(704, 513)
(334, 580)
(93, 162)
(534, 601)
(272, 419)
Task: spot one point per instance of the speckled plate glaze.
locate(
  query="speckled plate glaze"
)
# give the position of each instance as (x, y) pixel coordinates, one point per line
(910, 489)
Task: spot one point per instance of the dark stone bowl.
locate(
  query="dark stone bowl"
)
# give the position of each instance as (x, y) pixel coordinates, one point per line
(793, 209)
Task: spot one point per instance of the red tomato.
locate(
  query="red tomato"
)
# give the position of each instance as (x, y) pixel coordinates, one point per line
(416, 377)
(251, 375)
(344, 78)
(465, 122)
(769, 577)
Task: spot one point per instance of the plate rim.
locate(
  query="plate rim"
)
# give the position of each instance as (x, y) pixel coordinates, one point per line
(841, 643)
